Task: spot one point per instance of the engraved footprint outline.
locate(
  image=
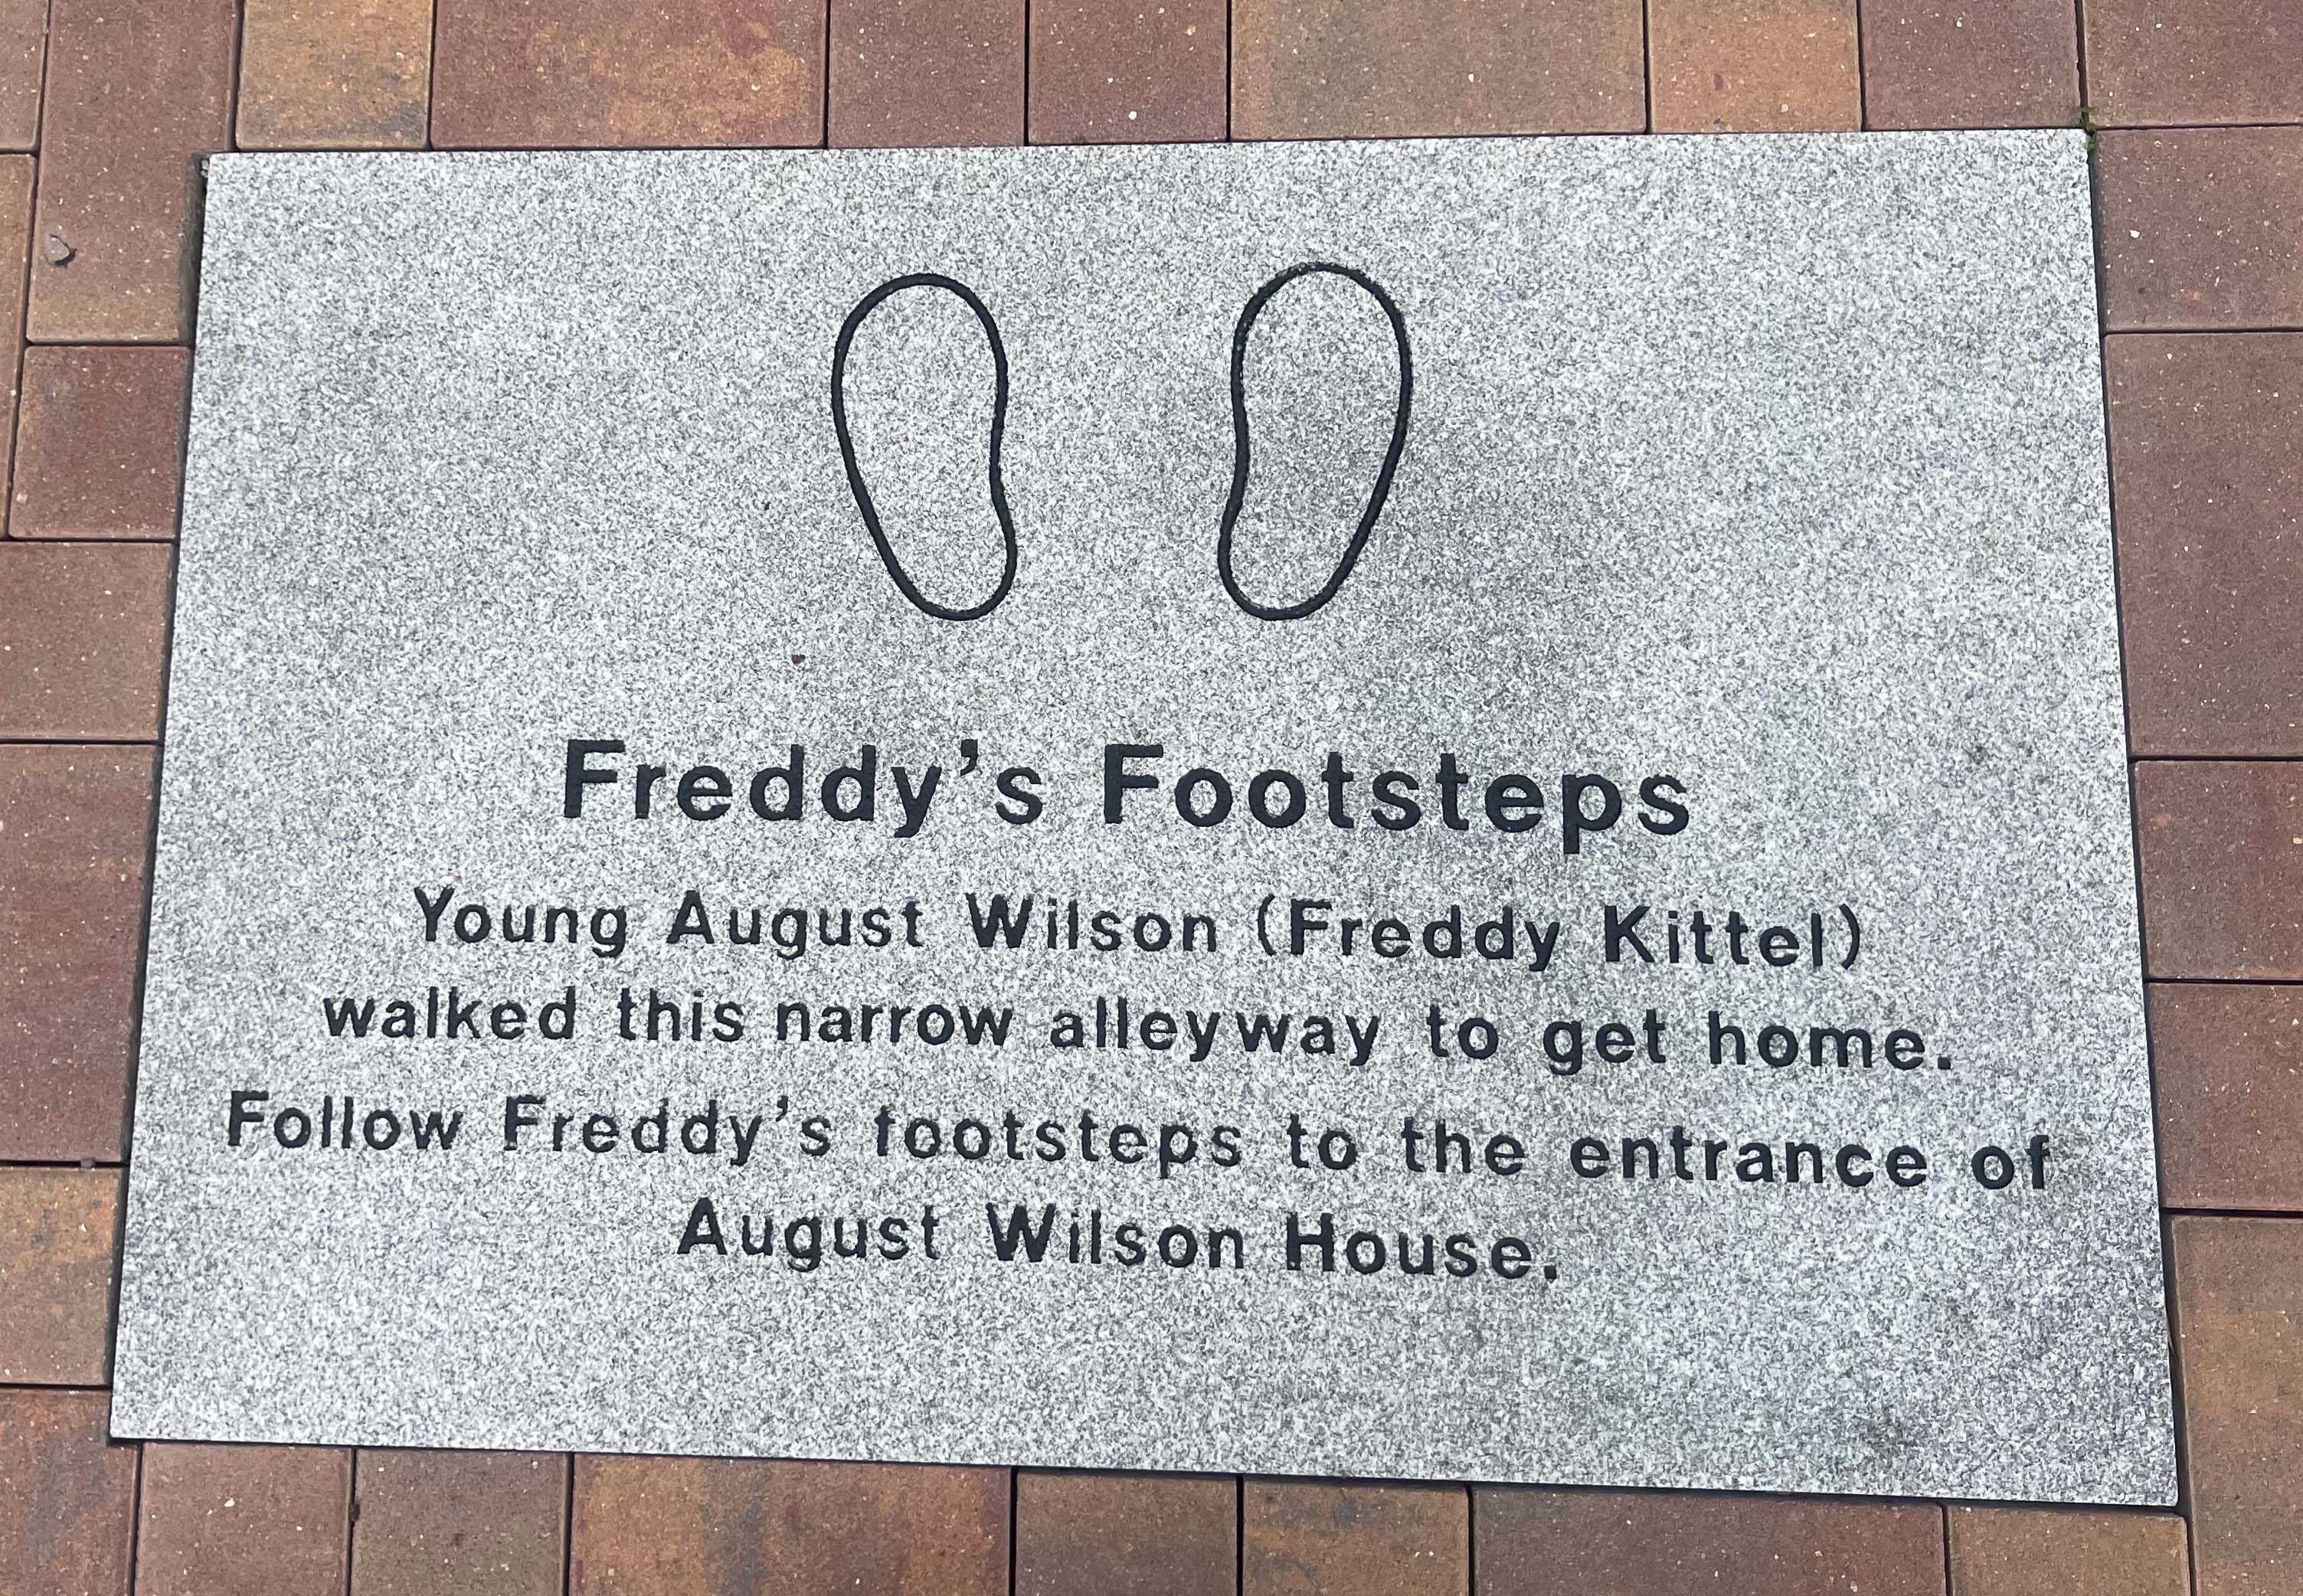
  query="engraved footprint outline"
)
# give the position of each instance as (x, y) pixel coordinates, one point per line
(1242, 451)
(1242, 445)
(860, 491)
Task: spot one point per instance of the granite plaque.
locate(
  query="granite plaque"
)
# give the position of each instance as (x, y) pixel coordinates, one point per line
(1423, 809)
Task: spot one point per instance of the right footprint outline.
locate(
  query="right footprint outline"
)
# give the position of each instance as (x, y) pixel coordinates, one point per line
(1242, 451)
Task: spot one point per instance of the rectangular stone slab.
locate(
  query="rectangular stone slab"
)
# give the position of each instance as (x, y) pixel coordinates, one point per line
(1745, 559)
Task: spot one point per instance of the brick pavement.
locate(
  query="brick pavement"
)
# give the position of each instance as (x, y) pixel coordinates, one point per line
(105, 105)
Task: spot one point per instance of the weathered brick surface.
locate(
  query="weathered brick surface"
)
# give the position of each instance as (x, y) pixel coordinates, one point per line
(585, 73)
(459, 1523)
(1320, 1538)
(1971, 63)
(1116, 72)
(15, 269)
(2156, 62)
(1754, 66)
(23, 55)
(2202, 227)
(2206, 435)
(2227, 1073)
(100, 443)
(1104, 1534)
(2019, 1551)
(137, 91)
(1637, 1543)
(1375, 68)
(67, 1496)
(242, 1521)
(58, 1231)
(75, 839)
(926, 72)
(336, 74)
(2238, 1318)
(83, 632)
(2221, 860)
(708, 1527)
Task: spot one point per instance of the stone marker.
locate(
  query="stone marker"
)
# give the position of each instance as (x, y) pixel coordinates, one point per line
(1418, 810)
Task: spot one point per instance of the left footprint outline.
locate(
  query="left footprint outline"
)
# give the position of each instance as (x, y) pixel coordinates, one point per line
(860, 491)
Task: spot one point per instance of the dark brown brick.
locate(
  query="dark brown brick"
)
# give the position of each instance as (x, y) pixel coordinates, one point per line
(588, 74)
(926, 72)
(2238, 1321)
(23, 54)
(242, 1521)
(83, 630)
(2207, 438)
(67, 1496)
(1378, 69)
(2222, 859)
(2227, 1072)
(58, 1229)
(1971, 63)
(1763, 66)
(1323, 1538)
(1635, 1543)
(15, 267)
(1122, 72)
(1105, 1534)
(2160, 63)
(137, 91)
(336, 74)
(2202, 227)
(100, 443)
(647, 1526)
(459, 1524)
(2036, 1551)
(75, 843)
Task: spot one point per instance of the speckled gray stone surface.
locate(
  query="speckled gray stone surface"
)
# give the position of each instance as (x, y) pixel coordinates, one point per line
(1773, 467)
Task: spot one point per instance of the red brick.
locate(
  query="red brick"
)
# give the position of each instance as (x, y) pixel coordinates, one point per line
(23, 54)
(137, 91)
(2158, 63)
(336, 74)
(926, 72)
(242, 1521)
(2202, 227)
(1103, 1534)
(75, 847)
(2222, 856)
(67, 1496)
(2206, 449)
(83, 630)
(1764, 66)
(58, 1231)
(1122, 72)
(1375, 68)
(587, 74)
(2238, 1321)
(100, 443)
(1320, 1538)
(1636, 1544)
(2227, 1072)
(459, 1524)
(1971, 63)
(2038, 1552)
(647, 1526)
